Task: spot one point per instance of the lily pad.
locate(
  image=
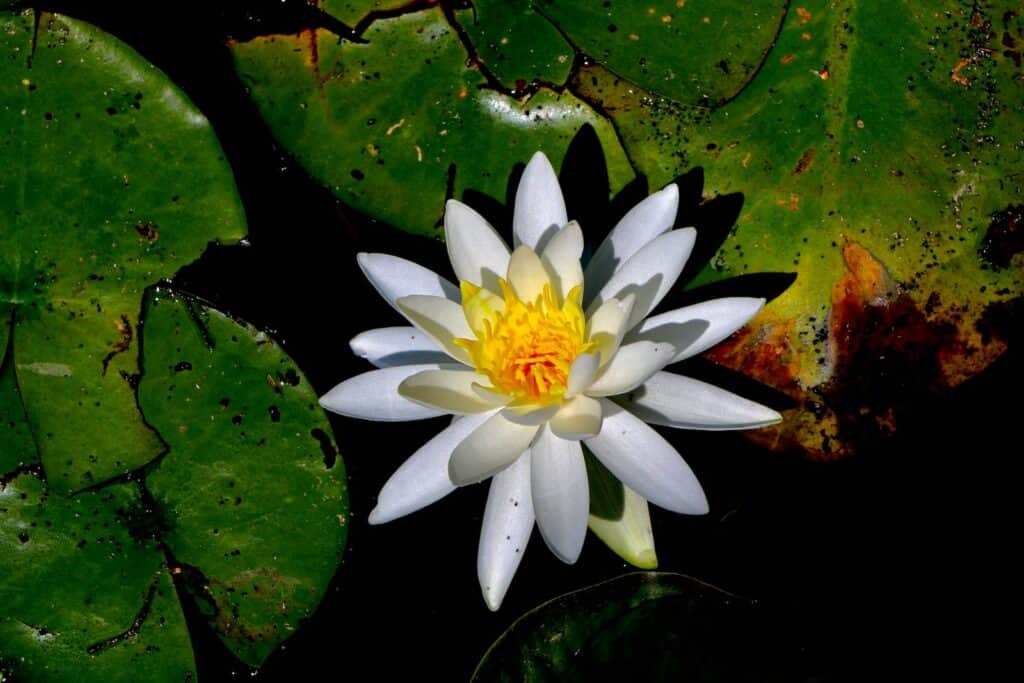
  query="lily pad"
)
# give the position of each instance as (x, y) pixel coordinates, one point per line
(248, 508)
(253, 490)
(85, 595)
(883, 166)
(399, 123)
(112, 180)
(644, 626)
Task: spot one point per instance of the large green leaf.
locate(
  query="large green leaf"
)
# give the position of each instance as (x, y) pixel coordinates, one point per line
(252, 490)
(85, 595)
(396, 125)
(882, 164)
(112, 180)
(642, 627)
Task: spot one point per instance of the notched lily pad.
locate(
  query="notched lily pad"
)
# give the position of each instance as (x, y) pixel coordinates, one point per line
(395, 126)
(84, 595)
(252, 489)
(648, 627)
(94, 207)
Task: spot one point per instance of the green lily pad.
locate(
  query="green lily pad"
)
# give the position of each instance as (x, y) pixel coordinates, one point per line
(884, 167)
(112, 180)
(645, 627)
(249, 504)
(396, 125)
(85, 595)
(252, 490)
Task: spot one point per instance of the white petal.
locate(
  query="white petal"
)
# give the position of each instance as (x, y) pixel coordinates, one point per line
(477, 252)
(632, 365)
(526, 274)
(649, 273)
(695, 329)
(374, 395)
(489, 449)
(449, 390)
(581, 373)
(529, 414)
(387, 347)
(423, 478)
(642, 460)
(561, 497)
(630, 537)
(562, 258)
(508, 522)
(395, 277)
(677, 401)
(578, 418)
(643, 223)
(607, 326)
(442, 320)
(539, 208)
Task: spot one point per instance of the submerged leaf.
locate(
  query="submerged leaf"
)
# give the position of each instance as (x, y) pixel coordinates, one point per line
(643, 627)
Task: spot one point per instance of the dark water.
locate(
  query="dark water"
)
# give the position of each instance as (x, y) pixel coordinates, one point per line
(882, 562)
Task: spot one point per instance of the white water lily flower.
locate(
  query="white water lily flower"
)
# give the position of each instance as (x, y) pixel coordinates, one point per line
(534, 355)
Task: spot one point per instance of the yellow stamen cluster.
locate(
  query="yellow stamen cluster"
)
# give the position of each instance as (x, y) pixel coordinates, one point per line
(526, 348)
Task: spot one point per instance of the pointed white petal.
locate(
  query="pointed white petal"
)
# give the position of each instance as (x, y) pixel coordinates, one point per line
(374, 395)
(561, 256)
(508, 523)
(630, 537)
(489, 449)
(449, 390)
(578, 418)
(581, 373)
(477, 252)
(561, 497)
(643, 223)
(423, 478)
(632, 365)
(677, 401)
(695, 329)
(607, 326)
(649, 273)
(526, 274)
(539, 208)
(387, 347)
(442, 320)
(642, 460)
(395, 277)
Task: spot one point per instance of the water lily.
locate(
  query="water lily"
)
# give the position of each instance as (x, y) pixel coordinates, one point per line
(535, 355)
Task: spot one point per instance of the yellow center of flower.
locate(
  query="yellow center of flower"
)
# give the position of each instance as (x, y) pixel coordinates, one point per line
(525, 348)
